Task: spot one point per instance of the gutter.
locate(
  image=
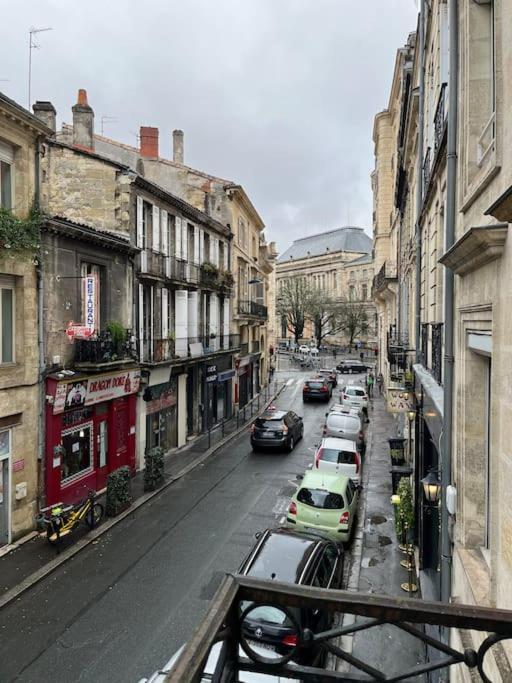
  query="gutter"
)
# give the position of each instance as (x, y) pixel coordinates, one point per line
(419, 176)
(40, 335)
(451, 198)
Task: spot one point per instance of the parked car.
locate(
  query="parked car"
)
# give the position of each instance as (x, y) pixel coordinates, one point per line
(305, 559)
(303, 348)
(354, 396)
(353, 366)
(330, 375)
(316, 389)
(314, 351)
(344, 424)
(339, 456)
(325, 503)
(277, 428)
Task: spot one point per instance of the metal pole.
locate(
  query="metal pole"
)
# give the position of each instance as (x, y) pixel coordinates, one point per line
(451, 215)
(419, 180)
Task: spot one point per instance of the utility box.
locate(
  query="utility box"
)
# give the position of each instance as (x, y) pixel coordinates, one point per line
(21, 491)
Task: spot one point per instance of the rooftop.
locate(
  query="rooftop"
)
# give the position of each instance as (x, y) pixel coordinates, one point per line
(348, 238)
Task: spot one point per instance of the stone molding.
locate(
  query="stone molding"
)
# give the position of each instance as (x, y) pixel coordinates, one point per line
(478, 246)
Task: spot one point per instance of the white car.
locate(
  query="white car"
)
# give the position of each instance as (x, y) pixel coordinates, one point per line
(354, 396)
(314, 351)
(244, 676)
(303, 348)
(339, 456)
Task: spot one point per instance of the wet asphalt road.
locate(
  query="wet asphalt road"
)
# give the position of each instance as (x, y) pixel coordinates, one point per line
(123, 606)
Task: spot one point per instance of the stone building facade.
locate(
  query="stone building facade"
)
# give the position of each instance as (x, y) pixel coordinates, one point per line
(340, 264)
(21, 136)
(479, 517)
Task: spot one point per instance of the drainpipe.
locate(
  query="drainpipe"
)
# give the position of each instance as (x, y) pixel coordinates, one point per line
(451, 214)
(419, 176)
(40, 334)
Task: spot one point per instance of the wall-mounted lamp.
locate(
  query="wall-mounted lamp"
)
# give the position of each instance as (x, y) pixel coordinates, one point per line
(431, 486)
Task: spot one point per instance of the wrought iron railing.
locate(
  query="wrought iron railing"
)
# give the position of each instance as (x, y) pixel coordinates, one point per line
(162, 350)
(426, 171)
(103, 349)
(440, 119)
(437, 351)
(226, 623)
(254, 308)
(424, 344)
(386, 272)
(152, 350)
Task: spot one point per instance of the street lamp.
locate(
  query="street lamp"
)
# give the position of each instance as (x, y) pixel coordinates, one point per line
(411, 414)
(431, 486)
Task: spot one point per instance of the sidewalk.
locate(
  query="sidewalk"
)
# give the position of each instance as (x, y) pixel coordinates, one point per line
(386, 648)
(33, 556)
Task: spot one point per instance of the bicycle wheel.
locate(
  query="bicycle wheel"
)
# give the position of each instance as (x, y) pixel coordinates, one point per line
(94, 515)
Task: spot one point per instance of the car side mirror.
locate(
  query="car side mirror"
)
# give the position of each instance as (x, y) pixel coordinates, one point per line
(257, 535)
(300, 477)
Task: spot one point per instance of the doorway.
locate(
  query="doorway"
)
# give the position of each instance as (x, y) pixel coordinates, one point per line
(5, 502)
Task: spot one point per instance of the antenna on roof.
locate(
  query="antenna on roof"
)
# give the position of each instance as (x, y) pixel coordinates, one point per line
(107, 119)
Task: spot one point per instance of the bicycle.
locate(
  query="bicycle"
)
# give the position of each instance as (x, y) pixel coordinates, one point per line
(63, 520)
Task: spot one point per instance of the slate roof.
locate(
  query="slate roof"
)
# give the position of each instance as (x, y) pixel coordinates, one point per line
(367, 258)
(349, 238)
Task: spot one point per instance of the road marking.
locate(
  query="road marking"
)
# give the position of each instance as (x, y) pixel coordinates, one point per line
(282, 519)
(289, 382)
(280, 506)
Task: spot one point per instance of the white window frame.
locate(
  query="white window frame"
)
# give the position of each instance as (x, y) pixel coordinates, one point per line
(8, 283)
(7, 156)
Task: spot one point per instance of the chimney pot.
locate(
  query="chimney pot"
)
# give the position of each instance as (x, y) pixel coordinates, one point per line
(83, 122)
(149, 142)
(45, 112)
(177, 146)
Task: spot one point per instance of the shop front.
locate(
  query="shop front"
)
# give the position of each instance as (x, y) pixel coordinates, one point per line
(217, 390)
(90, 431)
(245, 381)
(162, 415)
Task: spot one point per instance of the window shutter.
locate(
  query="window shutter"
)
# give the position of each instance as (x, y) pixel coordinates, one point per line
(184, 239)
(141, 321)
(201, 245)
(165, 320)
(177, 240)
(213, 250)
(192, 314)
(140, 220)
(156, 228)
(165, 233)
(196, 244)
(181, 323)
(225, 323)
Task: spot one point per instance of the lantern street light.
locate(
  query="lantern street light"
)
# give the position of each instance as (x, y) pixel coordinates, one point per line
(431, 486)
(411, 414)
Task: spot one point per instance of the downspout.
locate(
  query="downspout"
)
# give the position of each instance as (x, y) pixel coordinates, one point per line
(419, 179)
(40, 336)
(451, 197)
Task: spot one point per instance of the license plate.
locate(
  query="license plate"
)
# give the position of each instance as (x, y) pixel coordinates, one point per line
(267, 436)
(262, 646)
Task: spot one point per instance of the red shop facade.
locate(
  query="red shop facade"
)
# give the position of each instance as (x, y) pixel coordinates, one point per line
(90, 431)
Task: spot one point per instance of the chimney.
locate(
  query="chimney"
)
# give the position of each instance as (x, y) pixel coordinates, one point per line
(177, 146)
(83, 122)
(45, 112)
(149, 142)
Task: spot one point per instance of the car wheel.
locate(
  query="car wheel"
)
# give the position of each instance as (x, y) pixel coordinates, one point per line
(291, 444)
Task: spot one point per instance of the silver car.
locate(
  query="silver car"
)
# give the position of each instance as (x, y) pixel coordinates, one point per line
(345, 425)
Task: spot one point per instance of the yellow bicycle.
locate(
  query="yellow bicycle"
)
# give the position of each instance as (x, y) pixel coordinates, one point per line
(62, 520)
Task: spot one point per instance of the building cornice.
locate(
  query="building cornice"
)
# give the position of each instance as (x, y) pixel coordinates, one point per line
(501, 209)
(478, 246)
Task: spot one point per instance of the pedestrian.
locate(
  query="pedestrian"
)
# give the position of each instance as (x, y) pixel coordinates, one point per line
(380, 382)
(361, 356)
(369, 384)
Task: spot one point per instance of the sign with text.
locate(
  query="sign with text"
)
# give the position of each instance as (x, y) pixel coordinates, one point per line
(91, 390)
(399, 400)
(90, 294)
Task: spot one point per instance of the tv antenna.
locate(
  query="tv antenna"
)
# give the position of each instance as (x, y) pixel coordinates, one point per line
(107, 119)
(32, 45)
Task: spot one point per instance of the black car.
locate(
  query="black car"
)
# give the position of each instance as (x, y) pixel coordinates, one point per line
(277, 428)
(353, 366)
(316, 389)
(300, 558)
(330, 375)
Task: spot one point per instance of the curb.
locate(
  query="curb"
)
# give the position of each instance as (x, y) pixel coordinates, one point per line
(30, 581)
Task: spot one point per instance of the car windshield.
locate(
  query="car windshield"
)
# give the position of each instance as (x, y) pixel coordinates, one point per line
(315, 385)
(354, 391)
(272, 425)
(337, 456)
(317, 498)
(349, 424)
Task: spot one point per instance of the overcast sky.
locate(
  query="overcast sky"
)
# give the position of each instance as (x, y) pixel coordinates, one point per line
(278, 95)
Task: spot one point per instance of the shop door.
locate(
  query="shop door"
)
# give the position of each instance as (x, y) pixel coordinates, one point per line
(101, 453)
(120, 435)
(191, 383)
(4, 501)
(242, 390)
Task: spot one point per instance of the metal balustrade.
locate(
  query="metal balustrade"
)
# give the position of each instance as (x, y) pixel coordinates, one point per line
(103, 349)
(252, 308)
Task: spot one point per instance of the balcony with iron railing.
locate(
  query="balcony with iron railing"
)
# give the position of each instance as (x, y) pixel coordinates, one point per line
(154, 351)
(427, 170)
(252, 309)
(228, 623)
(386, 274)
(440, 119)
(103, 351)
(431, 355)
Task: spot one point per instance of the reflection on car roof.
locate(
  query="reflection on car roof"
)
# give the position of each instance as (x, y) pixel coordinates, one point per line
(282, 556)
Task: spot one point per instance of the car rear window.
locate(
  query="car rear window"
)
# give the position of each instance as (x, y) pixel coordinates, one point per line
(317, 498)
(272, 425)
(266, 614)
(354, 391)
(337, 456)
(315, 385)
(349, 424)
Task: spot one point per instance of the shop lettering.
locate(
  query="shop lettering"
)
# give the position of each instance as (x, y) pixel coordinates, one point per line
(104, 384)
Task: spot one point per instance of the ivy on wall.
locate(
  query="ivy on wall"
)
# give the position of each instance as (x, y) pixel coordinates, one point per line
(20, 234)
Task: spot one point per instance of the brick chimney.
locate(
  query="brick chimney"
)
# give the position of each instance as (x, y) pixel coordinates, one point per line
(149, 142)
(177, 146)
(45, 112)
(83, 122)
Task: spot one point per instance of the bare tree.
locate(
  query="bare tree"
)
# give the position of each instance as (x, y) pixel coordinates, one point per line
(293, 299)
(352, 320)
(323, 313)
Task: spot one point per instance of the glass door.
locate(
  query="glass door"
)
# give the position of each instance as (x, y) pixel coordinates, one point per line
(5, 449)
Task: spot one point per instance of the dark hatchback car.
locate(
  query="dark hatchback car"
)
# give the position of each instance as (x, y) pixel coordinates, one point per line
(316, 389)
(330, 375)
(277, 429)
(353, 366)
(300, 558)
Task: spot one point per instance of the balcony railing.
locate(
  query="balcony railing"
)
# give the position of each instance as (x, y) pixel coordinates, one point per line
(252, 308)
(427, 170)
(227, 621)
(164, 350)
(103, 350)
(424, 344)
(156, 350)
(386, 273)
(437, 351)
(440, 119)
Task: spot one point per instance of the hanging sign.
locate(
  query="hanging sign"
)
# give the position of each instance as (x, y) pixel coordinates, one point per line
(90, 302)
(399, 400)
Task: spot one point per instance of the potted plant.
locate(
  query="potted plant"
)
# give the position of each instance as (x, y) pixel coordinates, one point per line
(119, 491)
(396, 450)
(404, 511)
(117, 335)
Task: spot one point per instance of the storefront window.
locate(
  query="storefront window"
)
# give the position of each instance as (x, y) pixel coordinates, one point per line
(77, 455)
